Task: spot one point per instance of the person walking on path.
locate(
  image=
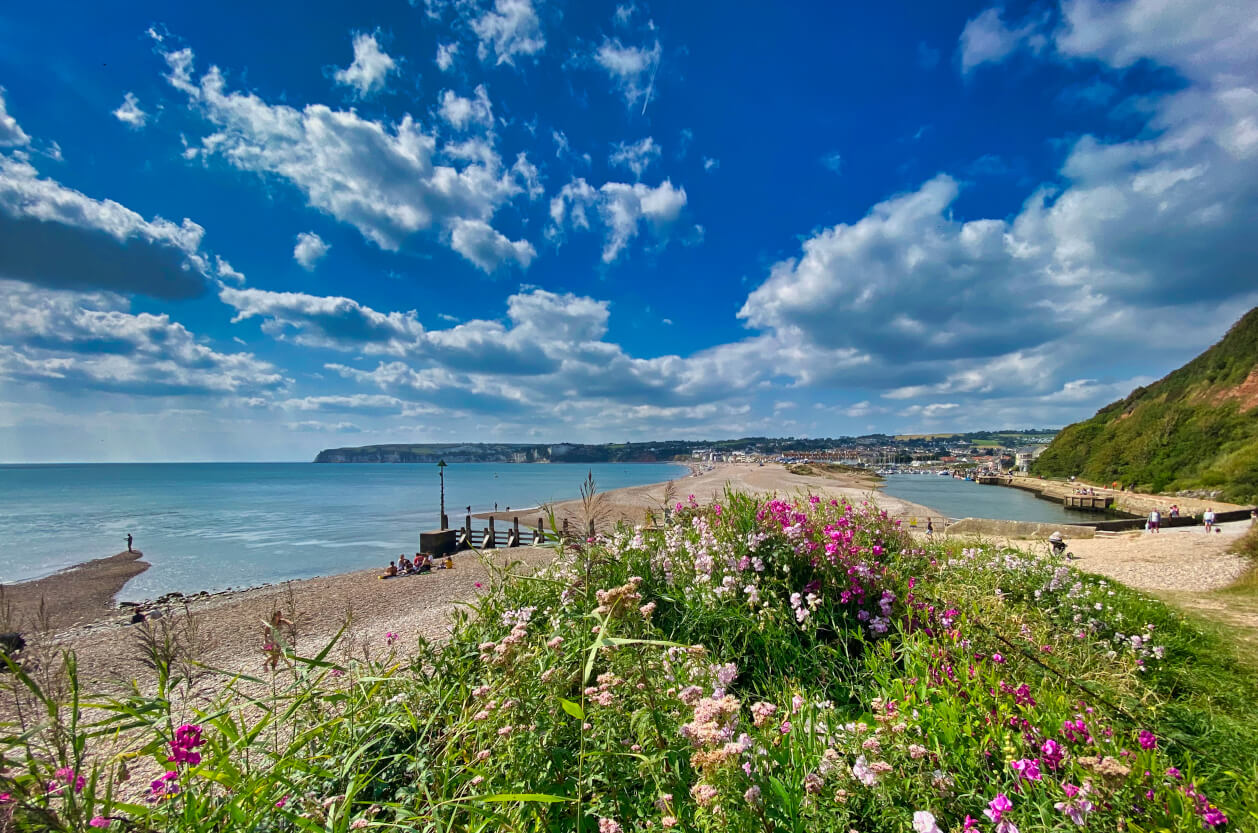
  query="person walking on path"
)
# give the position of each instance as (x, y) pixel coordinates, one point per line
(930, 528)
(129, 540)
(1208, 519)
(1155, 520)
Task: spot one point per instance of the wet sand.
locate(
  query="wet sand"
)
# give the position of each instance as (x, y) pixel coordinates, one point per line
(74, 596)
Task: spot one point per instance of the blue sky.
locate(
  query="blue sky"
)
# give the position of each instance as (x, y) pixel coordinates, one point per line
(251, 231)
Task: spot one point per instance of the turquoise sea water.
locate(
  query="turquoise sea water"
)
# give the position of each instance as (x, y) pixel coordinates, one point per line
(965, 499)
(208, 526)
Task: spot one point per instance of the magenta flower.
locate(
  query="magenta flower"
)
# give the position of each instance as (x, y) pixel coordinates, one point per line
(164, 787)
(98, 821)
(390, 637)
(1148, 740)
(998, 659)
(66, 777)
(1028, 769)
(183, 747)
(997, 807)
(1052, 753)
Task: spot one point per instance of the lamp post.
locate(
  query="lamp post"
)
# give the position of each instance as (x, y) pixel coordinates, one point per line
(441, 471)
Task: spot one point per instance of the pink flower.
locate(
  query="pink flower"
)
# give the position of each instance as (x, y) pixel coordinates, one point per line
(669, 822)
(358, 824)
(478, 780)
(67, 777)
(390, 637)
(1148, 740)
(279, 805)
(703, 794)
(1076, 811)
(1214, 817)
(762, 713)
(970, 824)
(997, 807)
(182, 748)
(998, 659)
(608, 826)
(164, 787)
(924, 822)
(99, 821)
(1028, 768)
(1052, 753)
(338, 672)
(477, 585)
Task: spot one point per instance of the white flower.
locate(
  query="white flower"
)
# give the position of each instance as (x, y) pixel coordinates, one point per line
(924, 822)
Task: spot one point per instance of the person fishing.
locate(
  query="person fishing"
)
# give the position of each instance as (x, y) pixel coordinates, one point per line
(129, 540)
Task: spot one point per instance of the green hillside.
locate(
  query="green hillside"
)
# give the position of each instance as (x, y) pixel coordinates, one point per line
(1195, 429)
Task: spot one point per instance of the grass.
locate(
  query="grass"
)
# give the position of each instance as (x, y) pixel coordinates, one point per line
(756, 666)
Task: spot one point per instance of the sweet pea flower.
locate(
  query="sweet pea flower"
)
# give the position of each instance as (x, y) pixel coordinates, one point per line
(924, 822)
(98, 821)
(997, 807)
(1028, 769)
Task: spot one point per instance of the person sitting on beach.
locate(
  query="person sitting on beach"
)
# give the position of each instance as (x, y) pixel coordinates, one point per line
(390, 571)
(423, 563)
(1056, 542)
(403, 564)
(449, 563)
(272, 639)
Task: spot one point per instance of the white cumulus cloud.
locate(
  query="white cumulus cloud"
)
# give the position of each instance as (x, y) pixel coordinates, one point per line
(130, 112)
(388, 180)
(622, 208)
(636, 156)
(370, 69)
(631, 68)
(11, 133)
(510, 29)
(309, 250)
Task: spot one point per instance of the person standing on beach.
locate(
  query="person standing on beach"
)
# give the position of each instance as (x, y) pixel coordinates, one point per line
(129, 540)
(1155, 520)
(1208, 519)
(272, 639)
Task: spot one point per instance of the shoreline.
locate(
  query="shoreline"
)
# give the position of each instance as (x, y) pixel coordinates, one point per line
(413, 607)
(85, 595)
(72, 596)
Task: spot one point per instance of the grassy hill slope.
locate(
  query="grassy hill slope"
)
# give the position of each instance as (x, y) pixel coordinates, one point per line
(1195, 429)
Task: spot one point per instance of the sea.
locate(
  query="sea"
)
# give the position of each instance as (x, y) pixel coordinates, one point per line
(210, 526)
(967, 499)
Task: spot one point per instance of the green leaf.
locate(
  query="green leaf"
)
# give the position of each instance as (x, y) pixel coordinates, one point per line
(541, 798)
(572, 708)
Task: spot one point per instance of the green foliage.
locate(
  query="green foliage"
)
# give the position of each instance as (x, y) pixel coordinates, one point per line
(1182, 432)
(756, 666)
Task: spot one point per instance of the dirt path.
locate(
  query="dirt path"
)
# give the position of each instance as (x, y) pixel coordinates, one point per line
(1184, 566)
